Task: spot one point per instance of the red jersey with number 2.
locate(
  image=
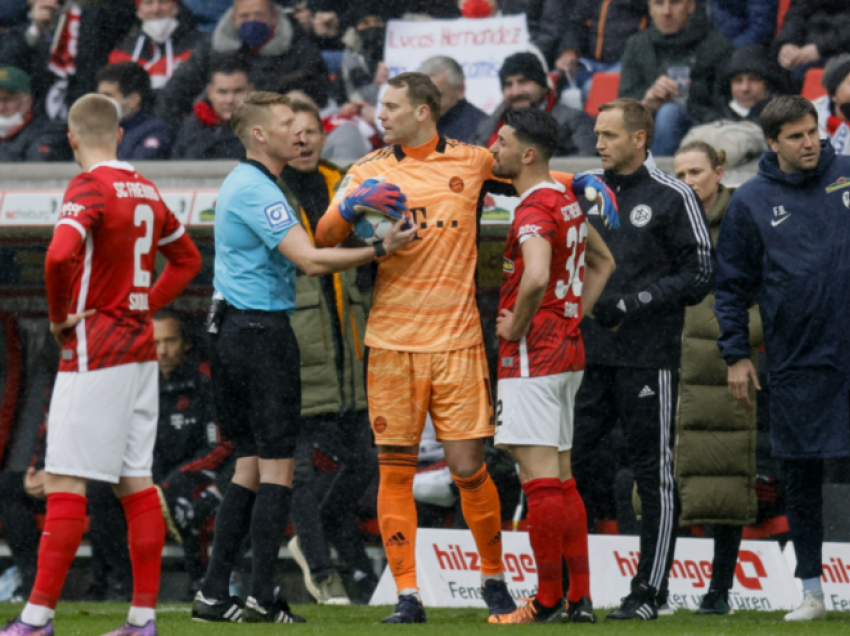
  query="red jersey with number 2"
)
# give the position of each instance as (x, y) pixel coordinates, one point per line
(122, 220)
(553, 343)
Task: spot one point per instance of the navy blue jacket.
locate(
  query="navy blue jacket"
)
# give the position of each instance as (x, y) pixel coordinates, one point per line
(461, 121)
(784, 241)
(745, 22)
(146, 137)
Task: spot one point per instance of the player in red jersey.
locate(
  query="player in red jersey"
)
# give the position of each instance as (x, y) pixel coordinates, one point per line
(545, 293)
(103, 414)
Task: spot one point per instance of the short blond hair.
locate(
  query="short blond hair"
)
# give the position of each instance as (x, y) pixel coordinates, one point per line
(252, 111)
(94, 120)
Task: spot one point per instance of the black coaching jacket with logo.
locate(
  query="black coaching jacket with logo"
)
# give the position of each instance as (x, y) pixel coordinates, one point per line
(665, 262)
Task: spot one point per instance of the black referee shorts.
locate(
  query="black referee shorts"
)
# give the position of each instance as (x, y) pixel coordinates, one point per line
(256, 375)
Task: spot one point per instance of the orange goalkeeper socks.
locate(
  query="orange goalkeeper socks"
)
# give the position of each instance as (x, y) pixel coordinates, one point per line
(397, 516)
(483, 513)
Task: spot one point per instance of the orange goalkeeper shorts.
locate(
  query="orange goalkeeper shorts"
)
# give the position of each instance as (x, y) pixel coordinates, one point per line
(453, 386)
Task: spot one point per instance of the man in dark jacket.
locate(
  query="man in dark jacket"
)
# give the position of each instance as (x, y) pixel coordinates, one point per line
(813, 31)
(547, 20)
(596, 37)
(25, 136)
(273, 48)
(782, 241)
(162, 41)
(146, 136)
(524, 84)
(458, 118)
(672, 68)
(745, 22)
(633, 341)
(206, 134)
(750, 79)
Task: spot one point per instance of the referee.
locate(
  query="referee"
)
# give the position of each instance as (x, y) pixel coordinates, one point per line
(633, 345)
(254, 356)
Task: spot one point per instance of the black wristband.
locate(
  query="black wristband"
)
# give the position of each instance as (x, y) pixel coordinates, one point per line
(379, 250)
(730, 360)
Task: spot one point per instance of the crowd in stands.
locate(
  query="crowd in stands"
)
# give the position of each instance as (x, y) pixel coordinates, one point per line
(704, 67)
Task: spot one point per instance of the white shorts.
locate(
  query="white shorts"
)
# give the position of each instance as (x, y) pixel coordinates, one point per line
(537, 411)
(102, 424)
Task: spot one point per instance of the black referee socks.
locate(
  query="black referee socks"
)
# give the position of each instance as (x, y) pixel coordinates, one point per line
(231, 526)
(268, 527)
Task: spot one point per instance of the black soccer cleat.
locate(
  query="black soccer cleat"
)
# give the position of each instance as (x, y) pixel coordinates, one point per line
(277, 612)
(715, 603)
(498, 597)
(635, 606)
(581, 611)
(408, 610)
(206, 610)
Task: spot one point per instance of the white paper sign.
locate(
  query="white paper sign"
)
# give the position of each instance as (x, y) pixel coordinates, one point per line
(479, 46)
(836, 574)
(448, 574)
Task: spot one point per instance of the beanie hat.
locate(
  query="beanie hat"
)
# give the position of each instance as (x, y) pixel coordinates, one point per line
(837, 69)
(525, 64)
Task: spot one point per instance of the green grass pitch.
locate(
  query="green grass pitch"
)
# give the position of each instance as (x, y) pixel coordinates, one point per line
(94, 619)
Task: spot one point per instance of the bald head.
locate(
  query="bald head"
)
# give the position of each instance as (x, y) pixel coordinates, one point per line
(93, 121)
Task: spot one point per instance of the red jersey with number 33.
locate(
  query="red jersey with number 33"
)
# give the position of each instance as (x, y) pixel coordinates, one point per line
(553, 343)
(122, 220)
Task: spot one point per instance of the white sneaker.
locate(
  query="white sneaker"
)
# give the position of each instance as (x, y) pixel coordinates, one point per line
(328, 592)
(295, 550)
(666, 610)
(812, 608)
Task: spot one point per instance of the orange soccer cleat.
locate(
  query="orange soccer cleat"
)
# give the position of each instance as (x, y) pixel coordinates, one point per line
(532, 612)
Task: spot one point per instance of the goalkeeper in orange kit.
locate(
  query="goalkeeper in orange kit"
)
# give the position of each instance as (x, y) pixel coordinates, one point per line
(424, 330)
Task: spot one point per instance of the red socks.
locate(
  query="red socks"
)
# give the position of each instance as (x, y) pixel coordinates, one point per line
(146, 533)
(63, 531)
(546, 522)
(574, 542)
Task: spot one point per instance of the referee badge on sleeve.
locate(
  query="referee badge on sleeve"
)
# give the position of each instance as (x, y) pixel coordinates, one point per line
(278, 216)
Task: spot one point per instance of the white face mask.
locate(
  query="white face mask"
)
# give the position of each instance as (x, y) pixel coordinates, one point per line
(159, 30)
(8, 124)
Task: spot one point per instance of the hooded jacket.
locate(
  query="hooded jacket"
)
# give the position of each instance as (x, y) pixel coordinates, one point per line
(750, 59)
(825, 23)
(715, 454)
(146, 138)
(203, 136)
(783, 241)
(287, 54)
(649, 54)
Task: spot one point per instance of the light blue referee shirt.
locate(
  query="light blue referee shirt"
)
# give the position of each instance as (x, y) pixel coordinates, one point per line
(251, 218)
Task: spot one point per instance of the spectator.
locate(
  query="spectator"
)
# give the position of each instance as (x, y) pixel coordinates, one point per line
(334, 458)
(720, 492)
(672, 67)
(207, 12)
(206, 134)
(595, 37)
(146, 136)
(834, 107)
(188, 455)
(327, 25)
(25, 136)
(524, 84)
(547, 21)
(813, 31)
(273, 50)
(363, 71)
(162, 42)
(13, 12)
(750, 79)
(458, 118)
(745, 22)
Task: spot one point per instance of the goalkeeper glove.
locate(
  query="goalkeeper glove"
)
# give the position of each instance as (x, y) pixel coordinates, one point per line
(374, 195)
(608, 209)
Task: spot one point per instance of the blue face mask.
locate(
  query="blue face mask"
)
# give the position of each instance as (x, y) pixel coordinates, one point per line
(255, 33)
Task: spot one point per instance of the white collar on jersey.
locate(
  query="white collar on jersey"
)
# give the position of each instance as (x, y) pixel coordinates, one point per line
(560, 187)
(113, 163)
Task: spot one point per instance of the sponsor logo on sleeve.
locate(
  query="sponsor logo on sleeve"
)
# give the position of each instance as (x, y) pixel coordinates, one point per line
(531, 228)
(840, 184)
(278, 216)
(342, 188)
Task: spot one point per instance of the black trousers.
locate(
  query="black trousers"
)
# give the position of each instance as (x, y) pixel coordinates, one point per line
(644, 403)
(334, 465)
(804, 507)
(17, 513)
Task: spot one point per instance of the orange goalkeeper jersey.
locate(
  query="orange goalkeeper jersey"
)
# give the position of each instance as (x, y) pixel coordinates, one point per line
(424, 297)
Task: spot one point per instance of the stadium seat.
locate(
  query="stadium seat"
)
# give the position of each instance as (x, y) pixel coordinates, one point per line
(813, 86)
(780, 14)
(603, 90)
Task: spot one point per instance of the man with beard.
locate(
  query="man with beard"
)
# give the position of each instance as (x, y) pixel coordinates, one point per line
(524, 84)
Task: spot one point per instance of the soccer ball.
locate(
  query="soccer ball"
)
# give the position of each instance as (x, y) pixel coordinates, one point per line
(372, 227)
